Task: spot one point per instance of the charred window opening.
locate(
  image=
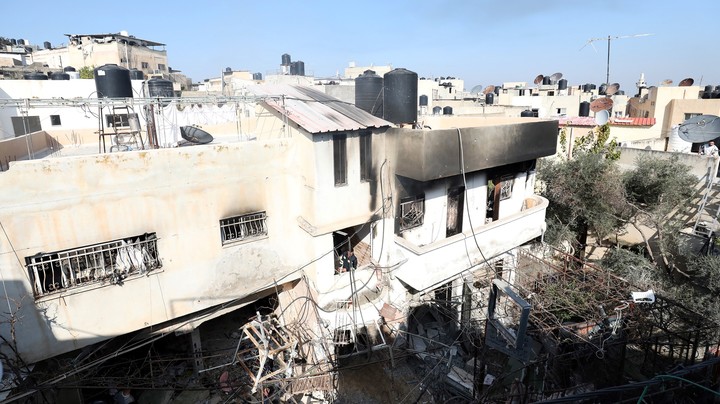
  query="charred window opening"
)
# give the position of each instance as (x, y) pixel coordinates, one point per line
(365, 155)
(55, 120)
(412, 212)
(117, 120)
(238, 228)
(455, 203)
(108, 262)
(340, 159)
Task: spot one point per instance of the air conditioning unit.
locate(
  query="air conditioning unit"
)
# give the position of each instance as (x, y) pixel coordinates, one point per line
(156, 71)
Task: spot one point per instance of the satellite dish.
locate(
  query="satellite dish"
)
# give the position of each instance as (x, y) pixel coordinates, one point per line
(195, 135)
(686, 82)
(477, 89)
(555, 77)
(612, 88)
(601, 104)
(539, 79)
(699, 129)
(666, 82)
(601, 117)
(489, 89)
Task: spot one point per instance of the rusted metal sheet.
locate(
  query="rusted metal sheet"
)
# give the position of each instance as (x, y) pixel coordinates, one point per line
(315, 111)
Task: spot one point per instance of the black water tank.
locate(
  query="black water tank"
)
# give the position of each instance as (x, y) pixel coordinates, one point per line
(489, 98)
(368, 93)
(706, 94)
(447, 111)
(35, 76)
(257, 76)
(716, 94)
(112, 81)
(400, 96)
(136, 74)
(285, 59)
(68, 69)
(593, 86)
(497, 90)
(59, 76)
(587, 88)
(546, 80)
(300, 68)
(708, 89)
(158, 87)
(13, 42)
(620, 92)
(437, 110)
(562, 84)
(603, 89)
(584, 109)
(293, 68)
(47, 45)
(527, 113)
(423, 100)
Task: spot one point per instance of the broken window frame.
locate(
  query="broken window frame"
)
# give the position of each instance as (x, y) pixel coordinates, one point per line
(506, 188)
(412, 212)
(102, 263)
(243, 227)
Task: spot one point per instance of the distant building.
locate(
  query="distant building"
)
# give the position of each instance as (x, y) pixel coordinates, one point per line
(121, 49)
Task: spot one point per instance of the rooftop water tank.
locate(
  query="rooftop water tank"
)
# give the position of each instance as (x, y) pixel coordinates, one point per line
(546, 80)
(257, 76)
(368, 93)
(497, 90)
(489, 98)
(562, 84)
(293, 68)
(68, 69)
(587, 88)
(300, 68)
(603, 89)
(584, 109)
(47, 45)
(136, 74)
(157, 87)
(285, 60)
(400, 88)
(59, 76)
(112, 81)
(527, 113)
(35, 76)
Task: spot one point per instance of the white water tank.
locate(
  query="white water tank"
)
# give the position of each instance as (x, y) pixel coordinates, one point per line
(676, 144)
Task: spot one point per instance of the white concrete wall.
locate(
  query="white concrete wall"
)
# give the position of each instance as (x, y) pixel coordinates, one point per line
(180, 194)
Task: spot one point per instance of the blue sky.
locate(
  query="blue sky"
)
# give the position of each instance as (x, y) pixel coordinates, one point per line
(482, 41)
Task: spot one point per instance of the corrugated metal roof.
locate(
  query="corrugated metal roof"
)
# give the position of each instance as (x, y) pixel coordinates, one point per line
(314, 111)
(590, 121)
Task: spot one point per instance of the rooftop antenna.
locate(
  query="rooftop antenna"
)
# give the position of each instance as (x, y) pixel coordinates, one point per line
(601, 117)
(612, 89)
(489, 89)
(666, 82)
(601, 104)
(539, 79)
(555, 77)
(476, 90)
(610, 38)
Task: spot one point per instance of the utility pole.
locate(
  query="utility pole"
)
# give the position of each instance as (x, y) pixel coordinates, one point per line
(610, 38)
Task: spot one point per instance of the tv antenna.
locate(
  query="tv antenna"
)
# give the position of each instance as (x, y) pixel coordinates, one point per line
(608, 39)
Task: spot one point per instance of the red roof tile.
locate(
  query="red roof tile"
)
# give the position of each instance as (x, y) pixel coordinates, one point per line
(590, 121)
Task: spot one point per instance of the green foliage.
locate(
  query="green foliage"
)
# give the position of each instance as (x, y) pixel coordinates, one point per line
(86, 72)
(585, 193)
(659, 183)
(597, 141)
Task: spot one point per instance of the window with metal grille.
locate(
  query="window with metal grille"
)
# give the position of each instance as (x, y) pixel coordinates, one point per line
(117, 120)
(145, 65)
(340, 159)
(365, 156)
(412, 212)
(238, 228)
(103, 263)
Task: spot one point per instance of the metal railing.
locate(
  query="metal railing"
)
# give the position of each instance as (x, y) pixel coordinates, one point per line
(243, 227)
(109, 262)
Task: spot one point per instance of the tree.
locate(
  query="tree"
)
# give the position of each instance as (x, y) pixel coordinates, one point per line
(586, 195)
(86, 72)
(658, 191)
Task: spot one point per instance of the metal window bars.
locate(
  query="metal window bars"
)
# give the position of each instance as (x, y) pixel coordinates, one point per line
(412, 213)
(108, 262)
(243, 227)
